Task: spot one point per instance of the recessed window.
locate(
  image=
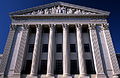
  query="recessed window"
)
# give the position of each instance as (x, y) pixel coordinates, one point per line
(74, 67)
(45, 29)
(59, 48)
(27, 67)
(72, 29)
(32, 30)
(43, 67)
(58, 67)
(72, 48)
(45, 48)
(86, 48)
(90, 67)
(59, 29)
(84, 30)
(30, 48)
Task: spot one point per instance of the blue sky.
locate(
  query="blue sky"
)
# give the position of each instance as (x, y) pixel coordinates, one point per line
(113, 6)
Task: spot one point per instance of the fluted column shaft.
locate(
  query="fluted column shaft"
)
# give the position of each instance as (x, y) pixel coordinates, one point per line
(96, 50)
(51, 50)
(66, 59)
(36, 51)
(82, 66)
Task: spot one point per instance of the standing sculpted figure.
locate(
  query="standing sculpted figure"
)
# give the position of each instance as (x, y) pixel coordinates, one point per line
(58, 10)
(53, 10)
(69, 11)
(63, 10)
(46, 11)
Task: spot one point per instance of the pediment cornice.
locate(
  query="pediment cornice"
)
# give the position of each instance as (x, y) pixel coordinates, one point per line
(58, 9)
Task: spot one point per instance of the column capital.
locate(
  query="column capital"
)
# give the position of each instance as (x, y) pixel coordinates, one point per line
(38, 26)
(65, 26)
(91, 26)
(25, 26)
(105, 26)
(51, 26)
(12, 27)
(78, 26)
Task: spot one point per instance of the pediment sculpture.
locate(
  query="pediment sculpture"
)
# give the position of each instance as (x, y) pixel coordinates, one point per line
(59, 10)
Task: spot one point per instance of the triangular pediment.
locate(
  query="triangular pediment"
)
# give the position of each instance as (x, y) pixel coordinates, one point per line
(59, 8)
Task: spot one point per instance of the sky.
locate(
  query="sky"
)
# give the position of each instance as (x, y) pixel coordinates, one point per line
(113, 6)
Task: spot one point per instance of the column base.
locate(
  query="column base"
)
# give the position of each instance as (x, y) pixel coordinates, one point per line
(49, 76)
(1, 75)
(14, 76)
(31, 76)
(116, 76)
(81, 76)
(101, 76)
(67, 76)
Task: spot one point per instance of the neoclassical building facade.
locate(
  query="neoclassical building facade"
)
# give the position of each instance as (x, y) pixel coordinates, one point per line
(59, 40)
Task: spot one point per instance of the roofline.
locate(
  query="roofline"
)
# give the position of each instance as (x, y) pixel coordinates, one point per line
(56, 3)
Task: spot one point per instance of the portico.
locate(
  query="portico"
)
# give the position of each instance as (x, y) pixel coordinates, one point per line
(60, 40)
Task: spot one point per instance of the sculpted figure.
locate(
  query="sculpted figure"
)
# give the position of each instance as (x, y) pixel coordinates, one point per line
(53, 10)
(33, 13)
(40, 12)
(69, 11)
(77, 12)
(58, 10)
(63, 9)
(46, 11)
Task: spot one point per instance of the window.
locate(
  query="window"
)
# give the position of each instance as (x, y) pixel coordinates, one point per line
(58, 67)
(27, 68)
(59, 29)
(45, 30)
(32, 30)
(84, 30)
(43, 67)
(59, 48)
(90, 67)
(72, 29)
(72, 48)
(31, 47)
(45, 48)
(86, 48)
(74, 67)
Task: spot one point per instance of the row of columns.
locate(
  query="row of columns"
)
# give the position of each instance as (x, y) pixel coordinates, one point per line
(51, 50)
(66, 54)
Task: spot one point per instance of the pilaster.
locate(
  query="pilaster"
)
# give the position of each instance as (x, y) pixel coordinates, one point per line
(96, 52)
(110, 50)
(7, 51)
(22, 48)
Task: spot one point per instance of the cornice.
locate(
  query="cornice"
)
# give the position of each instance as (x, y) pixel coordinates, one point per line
(62, 4)
(60, 16)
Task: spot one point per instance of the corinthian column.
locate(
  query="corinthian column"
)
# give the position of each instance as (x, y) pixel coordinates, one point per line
(66, 59)
(82, 66)
(36, 51)
(51, 51)
(96, 52)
